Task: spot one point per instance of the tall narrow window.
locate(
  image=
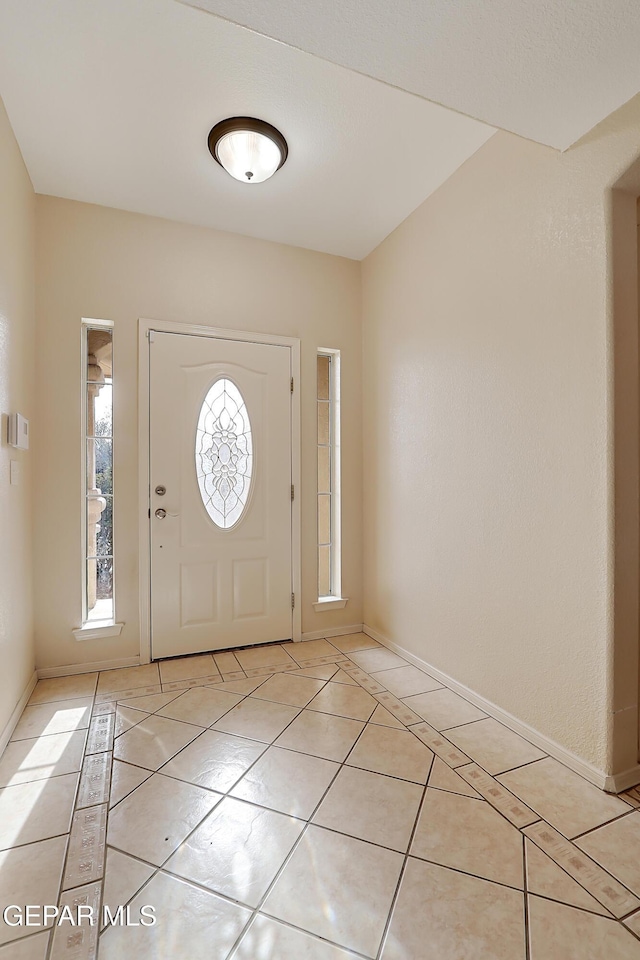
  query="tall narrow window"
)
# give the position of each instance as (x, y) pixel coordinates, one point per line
(98, 599)
(328, 404)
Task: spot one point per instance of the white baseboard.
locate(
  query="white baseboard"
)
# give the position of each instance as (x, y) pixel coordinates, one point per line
(71, 669)
(622, 781)
(612, 784)
(12, 722)
(332, 632)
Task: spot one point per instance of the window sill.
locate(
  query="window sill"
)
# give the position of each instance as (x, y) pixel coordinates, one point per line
(330, 603)
(97, 629)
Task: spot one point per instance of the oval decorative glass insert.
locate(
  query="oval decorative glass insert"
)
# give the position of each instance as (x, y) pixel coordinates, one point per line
(224, 453)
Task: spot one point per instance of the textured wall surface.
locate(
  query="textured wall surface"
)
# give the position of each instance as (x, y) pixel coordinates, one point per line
(495, 496)
(17, 388)
(488, 329)
(103, 263)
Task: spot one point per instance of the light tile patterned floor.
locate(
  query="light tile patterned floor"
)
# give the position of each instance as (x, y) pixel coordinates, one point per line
(315, 801)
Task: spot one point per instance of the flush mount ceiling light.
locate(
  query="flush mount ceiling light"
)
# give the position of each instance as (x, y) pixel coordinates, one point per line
(250, 150)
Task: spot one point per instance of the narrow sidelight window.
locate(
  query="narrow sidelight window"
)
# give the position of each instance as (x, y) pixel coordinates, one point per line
(97, 509)
(328, 404)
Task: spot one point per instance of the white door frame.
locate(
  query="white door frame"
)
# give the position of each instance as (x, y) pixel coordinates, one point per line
(144, 481)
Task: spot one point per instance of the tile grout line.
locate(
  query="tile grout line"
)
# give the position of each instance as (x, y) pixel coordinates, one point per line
(525, 890)
(196, 883)
(307, 823)
(243, 697)
(106, 846)
(325, 713)
(521, 829)
(222, 795)
(62, 872)
(592, 913)
(454, 726)
(266, 678)
(494, 777)
(49, 950)
(394, 900)
(266, 744)
(295, 846)
(342, 659)
(350, 952)
(150, 772)
(528, 763)
(93, 716)
(227, 794)
(607, 823)
(320, 826)
(409, 728)
(4, 947)
(468, 723)
(597, 865)
(560, 867)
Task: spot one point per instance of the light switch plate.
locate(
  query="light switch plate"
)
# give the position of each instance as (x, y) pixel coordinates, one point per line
(18, 431)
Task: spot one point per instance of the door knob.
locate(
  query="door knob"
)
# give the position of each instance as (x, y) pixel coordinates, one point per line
(161, 514)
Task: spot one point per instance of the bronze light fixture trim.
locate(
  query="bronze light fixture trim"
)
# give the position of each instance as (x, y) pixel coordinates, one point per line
(250, 150)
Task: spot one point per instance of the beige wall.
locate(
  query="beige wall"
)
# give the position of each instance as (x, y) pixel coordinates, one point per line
(17, 365)
(500, 494)
(103, 263)
(488, 321)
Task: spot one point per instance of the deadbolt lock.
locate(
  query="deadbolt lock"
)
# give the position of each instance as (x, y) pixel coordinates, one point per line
(160, 490)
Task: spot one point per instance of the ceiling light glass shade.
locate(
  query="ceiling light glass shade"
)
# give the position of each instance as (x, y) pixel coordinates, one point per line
(249, 156)
(248, 149)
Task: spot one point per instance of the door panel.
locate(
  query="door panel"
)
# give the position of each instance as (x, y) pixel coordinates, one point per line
(213, 587)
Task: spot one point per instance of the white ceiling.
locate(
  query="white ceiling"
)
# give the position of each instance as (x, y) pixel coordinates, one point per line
(549, 71)
(112, 100)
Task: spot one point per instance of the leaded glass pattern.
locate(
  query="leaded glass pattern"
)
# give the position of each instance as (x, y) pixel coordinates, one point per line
(224, 453)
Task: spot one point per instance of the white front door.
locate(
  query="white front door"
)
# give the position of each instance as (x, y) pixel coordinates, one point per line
(220, 477)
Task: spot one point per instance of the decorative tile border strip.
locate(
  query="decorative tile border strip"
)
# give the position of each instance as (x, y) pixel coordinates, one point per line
(341, 676)
(244, 691)
(85, 857)
(163, 700)
(439, 745)
(127, 694)
(321, 661)
(101, 732)
(606, 890)
(95, 780)
(312, 672)
(75, 943)
(362, 678)
(107, 706)
(78, 942)
(498, 796)
(265, 671)
(398, 708)
(188, 684)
